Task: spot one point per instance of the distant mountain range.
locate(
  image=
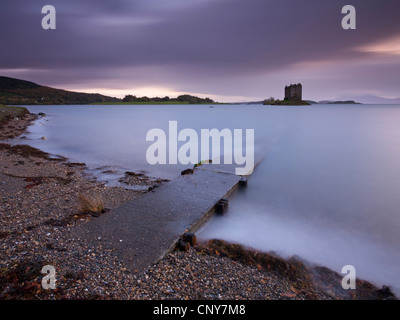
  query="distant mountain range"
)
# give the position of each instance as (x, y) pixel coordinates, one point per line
(312, 102)
(372, 99)
(365, 99)
(21, 92)
(333, 102)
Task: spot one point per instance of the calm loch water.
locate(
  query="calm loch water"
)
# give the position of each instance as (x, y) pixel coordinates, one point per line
(328, 189)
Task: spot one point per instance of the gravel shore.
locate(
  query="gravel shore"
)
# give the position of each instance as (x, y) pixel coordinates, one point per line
(41, 202)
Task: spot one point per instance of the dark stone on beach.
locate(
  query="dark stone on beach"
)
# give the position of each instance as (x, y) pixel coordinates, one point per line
(183, 245)
(190, 237)
(386, 293)
(134, 174)
(55, 223)
(75, 164)
(98, 214)
(154, 186)
(109, 172)
(187, 171)
(41, 114)
(4, 234)
(50, 246)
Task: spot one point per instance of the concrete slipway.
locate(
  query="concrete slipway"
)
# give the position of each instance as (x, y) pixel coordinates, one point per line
(145, 229)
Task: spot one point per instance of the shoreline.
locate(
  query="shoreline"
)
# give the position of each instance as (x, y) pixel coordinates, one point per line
(41, 203)
(14, 121)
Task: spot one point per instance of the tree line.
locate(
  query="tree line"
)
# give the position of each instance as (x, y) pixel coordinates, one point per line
(186, 98)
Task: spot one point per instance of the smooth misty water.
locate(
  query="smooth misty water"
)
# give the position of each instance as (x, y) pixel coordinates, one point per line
(328, 189)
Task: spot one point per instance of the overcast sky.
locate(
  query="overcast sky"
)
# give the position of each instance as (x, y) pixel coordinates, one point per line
(229, 50)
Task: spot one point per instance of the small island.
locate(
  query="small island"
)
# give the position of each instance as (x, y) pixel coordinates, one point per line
(334, 102)
(293, 97)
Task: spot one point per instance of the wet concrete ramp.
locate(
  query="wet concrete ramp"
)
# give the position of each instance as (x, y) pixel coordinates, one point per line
(145, 229)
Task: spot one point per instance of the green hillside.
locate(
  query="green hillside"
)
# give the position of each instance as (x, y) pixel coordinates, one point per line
(21, 92)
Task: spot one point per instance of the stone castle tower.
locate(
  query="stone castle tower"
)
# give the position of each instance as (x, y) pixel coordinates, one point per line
(294, 92)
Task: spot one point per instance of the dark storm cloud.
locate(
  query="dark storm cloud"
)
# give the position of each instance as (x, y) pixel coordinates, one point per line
(197, 39)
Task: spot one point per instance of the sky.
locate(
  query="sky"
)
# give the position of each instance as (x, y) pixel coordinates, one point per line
(228, 50)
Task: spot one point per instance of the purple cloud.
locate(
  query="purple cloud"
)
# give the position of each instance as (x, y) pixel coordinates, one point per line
(221, 48)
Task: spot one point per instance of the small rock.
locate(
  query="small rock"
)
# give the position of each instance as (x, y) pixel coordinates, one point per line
(183, 245)
(187, 171)
(190, 237)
